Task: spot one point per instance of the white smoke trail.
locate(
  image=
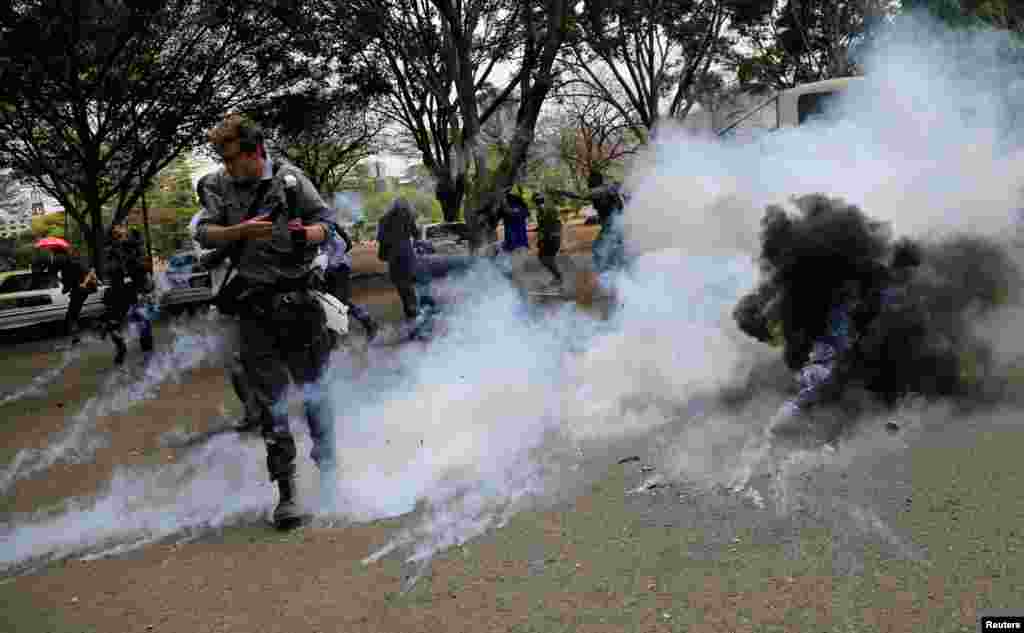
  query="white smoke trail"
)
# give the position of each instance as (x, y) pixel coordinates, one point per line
(462, 413)
(79, 441)
(38, 385)
(918, 146)
(488, 417)
(473, 429)
(502, 403)
(921, 147)
(143, 505)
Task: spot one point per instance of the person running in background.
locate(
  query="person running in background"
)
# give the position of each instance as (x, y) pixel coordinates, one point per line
(396, 233)
(609, 249)
(609, 201)
(338, 278)
(79, 283)
(515, 218)
(549, 239)
(128, 282)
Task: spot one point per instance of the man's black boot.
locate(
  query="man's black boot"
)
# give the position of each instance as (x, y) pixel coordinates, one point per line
(360, 314)
(122, 349)
(371, 328)
(287, 515)
(248, 424)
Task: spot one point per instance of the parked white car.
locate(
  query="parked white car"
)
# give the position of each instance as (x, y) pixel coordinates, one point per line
(185, 281)
(27, 300)
(446, 238)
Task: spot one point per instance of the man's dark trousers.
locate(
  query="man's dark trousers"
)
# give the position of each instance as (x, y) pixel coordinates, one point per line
(285, 336)
(76, 301)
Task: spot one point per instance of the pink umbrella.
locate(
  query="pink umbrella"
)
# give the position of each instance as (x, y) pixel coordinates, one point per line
(53, 243)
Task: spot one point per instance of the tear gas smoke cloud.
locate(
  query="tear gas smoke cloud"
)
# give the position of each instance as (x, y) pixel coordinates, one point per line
(120, 391)
(465, 411)
(473, 428)
(503, 402)
(921, 148)
(903, 153)
(491, 414)
(922, 145)
(143, 505)
(916, 343)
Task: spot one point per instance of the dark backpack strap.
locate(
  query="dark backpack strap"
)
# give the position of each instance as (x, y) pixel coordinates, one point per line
(261, 191)
(235, 250)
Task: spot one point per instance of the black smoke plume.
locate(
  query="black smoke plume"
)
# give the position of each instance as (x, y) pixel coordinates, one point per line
(917, 300)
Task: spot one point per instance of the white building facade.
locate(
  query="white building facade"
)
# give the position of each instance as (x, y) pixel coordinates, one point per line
(16, 221)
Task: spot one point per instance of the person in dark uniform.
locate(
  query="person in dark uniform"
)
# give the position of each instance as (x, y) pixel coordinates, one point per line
(338, 279)
(43, 269)
(609, 201)
(609, 250)
(515, 218)
(77, 282)
(126, 271)
(396, 235)
(276, 219)
(549, 238)
(219, 264)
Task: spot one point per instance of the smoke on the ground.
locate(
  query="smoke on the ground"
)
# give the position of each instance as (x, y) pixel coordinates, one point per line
(925, 148)
(193, 344)
(504, 406)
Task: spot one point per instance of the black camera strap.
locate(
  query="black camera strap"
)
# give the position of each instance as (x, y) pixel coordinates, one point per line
(234, 251)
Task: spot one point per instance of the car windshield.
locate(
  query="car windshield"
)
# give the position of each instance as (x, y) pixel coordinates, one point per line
(23, 282)
(818, 105)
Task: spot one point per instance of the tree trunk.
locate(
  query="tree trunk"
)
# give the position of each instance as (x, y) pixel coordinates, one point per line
(479, 196)
(450, 192)
(489, 186)
(492, 185)
(96, 237)
(482, 195)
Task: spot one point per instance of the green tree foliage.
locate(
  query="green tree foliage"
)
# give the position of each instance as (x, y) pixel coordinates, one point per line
(1000, 14)
(544, 27)
(133, 84)
(412, 43)
(327, 132)
(172, 187)
(171, 201)
(49, 225)
(441, 53)
(650, 58)
(427, 208)
(171, 235)
(804, 41)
